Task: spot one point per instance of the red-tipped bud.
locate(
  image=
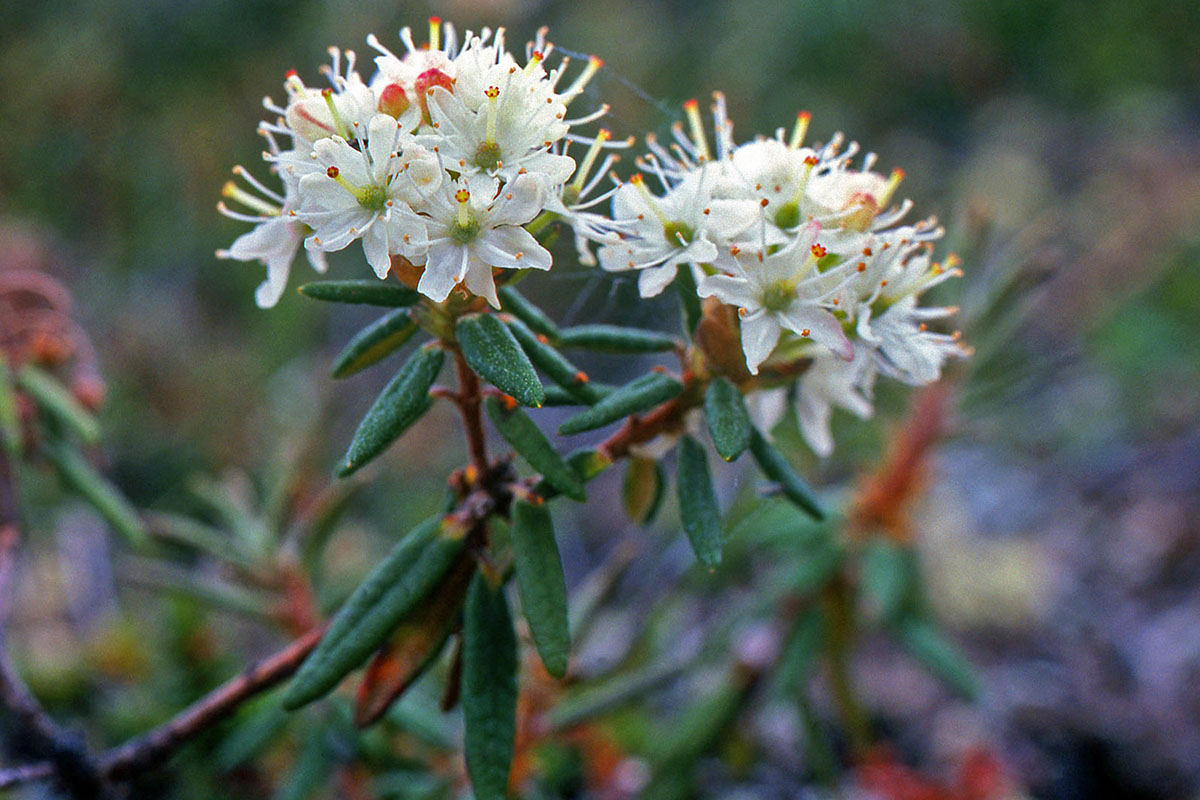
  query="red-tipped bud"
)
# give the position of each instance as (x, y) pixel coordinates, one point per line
(426, 81)
(393, 101)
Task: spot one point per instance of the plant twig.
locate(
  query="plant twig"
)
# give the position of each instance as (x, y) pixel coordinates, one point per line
(469, 404)
(152, 749)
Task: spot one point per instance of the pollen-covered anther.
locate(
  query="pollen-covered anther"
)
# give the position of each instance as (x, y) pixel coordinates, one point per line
(801, 129)
(733, 251)
(811, 161)
(764, 202)
(492, 92)
(742, 312)
(861, 266)
(818, 251)
(805, 332)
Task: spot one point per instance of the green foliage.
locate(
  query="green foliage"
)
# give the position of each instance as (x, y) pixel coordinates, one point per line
(728, 420)
(361, 292)
(776, 467)
(401, 403)
(374, 342)
(79, 476)
(489, 688)
(378, 605)
(698, 507)
(615, 339)
(556, 367)
(491, 350)
(531, 444)
(642, 490)
(515, 303)
(542, 585)
(637, 395)
(54, 399)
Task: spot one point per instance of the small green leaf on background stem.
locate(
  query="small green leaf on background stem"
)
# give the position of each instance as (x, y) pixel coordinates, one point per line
(698, 507)
(542, 586)
(489, 689)
(491, 350)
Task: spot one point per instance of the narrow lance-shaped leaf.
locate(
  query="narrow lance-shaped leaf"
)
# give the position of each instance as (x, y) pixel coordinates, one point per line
(516, 304)
(54, 399)
(490, 349)
(489, 689)
(10, 421)
(361, 292)
(554, 364)
(586, 463)
(637, 395)
(886, 576)
(728, 420)
(698, 507)
(401, 403)
(542, 586)
(531, 444)
(408, 573)
(558, 396)
(79, 476)
(929, 646)
(374, 342)
(776, 467)
(414, 645)
(615, 339)
(642, 489)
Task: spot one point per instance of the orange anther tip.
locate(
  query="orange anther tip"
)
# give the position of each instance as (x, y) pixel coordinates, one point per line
(691, 103)
(764, 202)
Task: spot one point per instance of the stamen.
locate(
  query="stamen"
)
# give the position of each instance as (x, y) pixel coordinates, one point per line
(462, 196)
(692, 109)
(435, 33)
(589, 161)
(889, 189)
(235, 192)
(593, 66)
(800, 131)
(534, 60)
(342, 128)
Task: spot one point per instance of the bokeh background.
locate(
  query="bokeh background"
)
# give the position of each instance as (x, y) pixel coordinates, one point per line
(1058, 141)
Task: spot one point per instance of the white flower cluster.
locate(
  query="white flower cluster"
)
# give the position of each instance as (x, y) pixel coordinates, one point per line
(808, 249)
(442, 159)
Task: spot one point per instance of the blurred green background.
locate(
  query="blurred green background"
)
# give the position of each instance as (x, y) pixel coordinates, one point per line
(1059, 142)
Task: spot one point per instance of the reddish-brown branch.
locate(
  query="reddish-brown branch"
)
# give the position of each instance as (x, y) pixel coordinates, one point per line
(469, 398)
(637, 430)
(152, 749)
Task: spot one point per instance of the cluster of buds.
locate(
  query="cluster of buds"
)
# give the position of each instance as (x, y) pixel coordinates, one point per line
(809, 251)
(441, 160)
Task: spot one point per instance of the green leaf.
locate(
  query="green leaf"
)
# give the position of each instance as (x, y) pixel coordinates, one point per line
(642, 489)
(776, 467)
(490, 349)
(558, 396)
(401, 403)
(515, 303)
(531, 444)
(489, 689)
(586, 463)
(554, 364)
(364, 292)
(372, 343)
(406, 575)
(615, 339)
(79, 476)
(54, 399)
(728, 420)
(685, 284)
(698, 503)
(941, 656)
(886, 577)
(541, 583)
(10, 420)
(637, 395)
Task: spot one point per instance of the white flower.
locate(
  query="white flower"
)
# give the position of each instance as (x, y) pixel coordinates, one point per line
(312, 114)
(274, 239)
(475, 225)
(572, 201)
(510, 132)
(682, 227)
(365, 194)
(904, 347)
(830, 382)
(782, 291)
